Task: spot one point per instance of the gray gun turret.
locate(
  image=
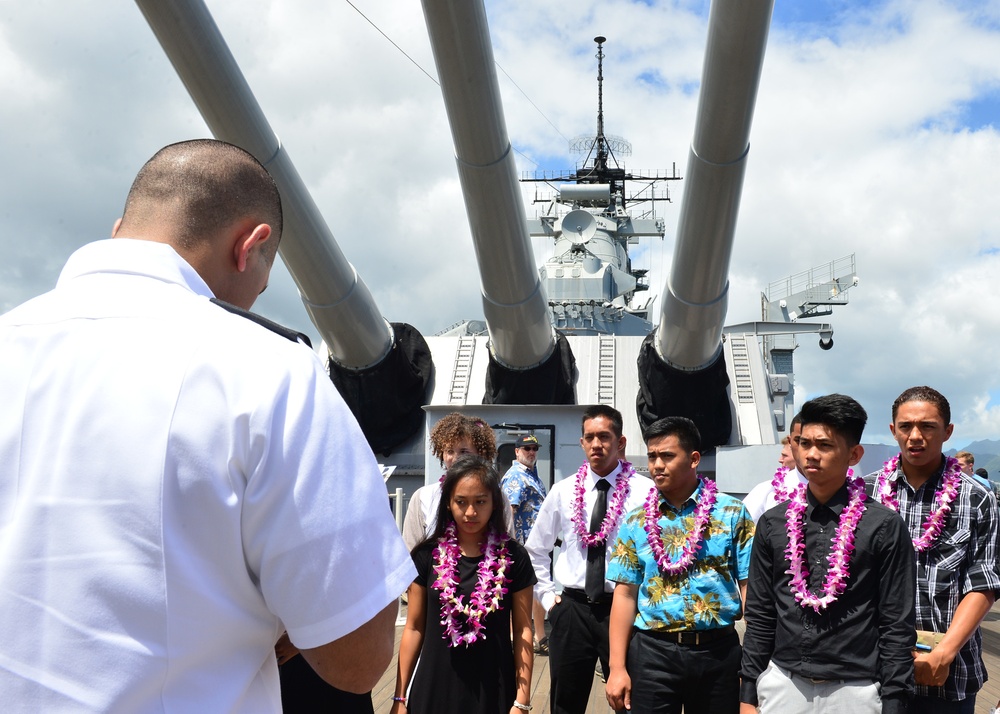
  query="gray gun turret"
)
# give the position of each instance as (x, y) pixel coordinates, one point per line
(681, 369)
(577, 331)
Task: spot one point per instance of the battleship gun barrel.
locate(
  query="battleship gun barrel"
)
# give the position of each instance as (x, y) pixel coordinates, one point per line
(521, 335)
(689, 336)
(338, 301)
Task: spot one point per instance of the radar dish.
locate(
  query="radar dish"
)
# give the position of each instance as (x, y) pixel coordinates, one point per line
(579, 226)
(585, 144)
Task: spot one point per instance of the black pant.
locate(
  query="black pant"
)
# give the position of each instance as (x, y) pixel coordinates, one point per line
(579, 638)
(304, 692)
(935, 705)
(704, 679)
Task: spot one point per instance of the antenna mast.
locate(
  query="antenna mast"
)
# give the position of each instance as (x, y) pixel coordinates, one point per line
(601, 161)
(606, 150)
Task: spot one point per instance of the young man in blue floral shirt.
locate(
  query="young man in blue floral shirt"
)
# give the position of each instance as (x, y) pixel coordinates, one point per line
(525, 491)
(681, 563)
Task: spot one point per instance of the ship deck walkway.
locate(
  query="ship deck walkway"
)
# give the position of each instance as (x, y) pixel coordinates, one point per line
(987, 699)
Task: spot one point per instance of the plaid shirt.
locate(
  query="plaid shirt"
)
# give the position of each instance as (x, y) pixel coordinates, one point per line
(963, 560)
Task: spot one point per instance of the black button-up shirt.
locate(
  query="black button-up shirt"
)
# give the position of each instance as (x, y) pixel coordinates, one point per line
(868, 633)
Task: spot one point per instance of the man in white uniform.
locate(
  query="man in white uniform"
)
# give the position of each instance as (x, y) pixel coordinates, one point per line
(178, 485)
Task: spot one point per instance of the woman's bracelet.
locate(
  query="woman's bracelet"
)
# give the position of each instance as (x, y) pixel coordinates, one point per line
(401, 700)
(522, 707)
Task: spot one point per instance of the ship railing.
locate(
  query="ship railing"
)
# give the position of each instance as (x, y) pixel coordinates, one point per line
(832, 272)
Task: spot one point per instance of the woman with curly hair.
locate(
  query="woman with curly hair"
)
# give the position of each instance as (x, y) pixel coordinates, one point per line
(453, 436)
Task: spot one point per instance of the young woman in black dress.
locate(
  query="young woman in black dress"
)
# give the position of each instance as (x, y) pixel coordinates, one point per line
(473, 590)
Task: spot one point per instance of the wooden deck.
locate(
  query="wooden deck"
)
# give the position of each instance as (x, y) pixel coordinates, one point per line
(987, 699)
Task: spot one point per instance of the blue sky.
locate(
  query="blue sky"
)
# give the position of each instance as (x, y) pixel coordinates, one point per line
(982, 111)
(818, 12)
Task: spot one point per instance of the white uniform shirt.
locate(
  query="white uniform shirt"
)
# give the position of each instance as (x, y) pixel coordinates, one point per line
(761, 497)
(177, 486)
(555, 520)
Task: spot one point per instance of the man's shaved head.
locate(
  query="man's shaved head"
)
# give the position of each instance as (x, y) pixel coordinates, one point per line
(198, 188)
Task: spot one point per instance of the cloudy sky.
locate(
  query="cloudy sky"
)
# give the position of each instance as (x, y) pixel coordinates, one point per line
(875, 133)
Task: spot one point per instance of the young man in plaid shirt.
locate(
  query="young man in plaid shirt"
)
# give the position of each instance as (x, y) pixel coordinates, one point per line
(956, 551)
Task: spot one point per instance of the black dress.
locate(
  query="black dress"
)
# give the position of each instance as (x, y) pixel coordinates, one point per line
(478, 679)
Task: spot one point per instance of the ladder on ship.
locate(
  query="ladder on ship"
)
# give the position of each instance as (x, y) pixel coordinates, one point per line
(741, 368)
(606, 370)
(462, 373)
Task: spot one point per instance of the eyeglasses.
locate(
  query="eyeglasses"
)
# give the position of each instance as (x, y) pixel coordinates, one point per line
(529, 448)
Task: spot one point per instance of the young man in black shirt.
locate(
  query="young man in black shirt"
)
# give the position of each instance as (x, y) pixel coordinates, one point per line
(837, 635)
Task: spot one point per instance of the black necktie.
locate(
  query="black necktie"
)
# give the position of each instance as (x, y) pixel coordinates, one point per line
(595, 554)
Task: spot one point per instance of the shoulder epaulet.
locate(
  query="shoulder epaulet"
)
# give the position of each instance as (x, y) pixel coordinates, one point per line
(287, 333)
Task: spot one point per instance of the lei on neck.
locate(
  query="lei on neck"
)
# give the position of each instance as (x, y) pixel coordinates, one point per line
(840, 554)
(692, 544)
(491, 578)
(781, 494)
(616, 506)
(947, 490)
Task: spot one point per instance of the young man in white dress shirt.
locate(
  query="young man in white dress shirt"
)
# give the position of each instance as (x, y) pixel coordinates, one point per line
(579, 614)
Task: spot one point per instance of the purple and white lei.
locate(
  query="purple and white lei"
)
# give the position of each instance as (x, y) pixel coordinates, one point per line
(692, 544)
(840, 553)
(491, 578)
(616, 506)
(778, 485)
(947, 491)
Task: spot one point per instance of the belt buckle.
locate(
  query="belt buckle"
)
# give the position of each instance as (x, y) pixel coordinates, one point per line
(689, 638)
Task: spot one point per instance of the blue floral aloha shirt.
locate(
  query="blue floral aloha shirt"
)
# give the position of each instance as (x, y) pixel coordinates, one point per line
(707, 595)
(525, 492)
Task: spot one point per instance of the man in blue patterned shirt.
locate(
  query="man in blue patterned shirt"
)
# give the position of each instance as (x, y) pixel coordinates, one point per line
(526, 492)
(681, 583)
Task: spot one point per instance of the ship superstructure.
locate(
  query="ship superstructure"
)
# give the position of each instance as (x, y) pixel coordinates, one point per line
(594, 215)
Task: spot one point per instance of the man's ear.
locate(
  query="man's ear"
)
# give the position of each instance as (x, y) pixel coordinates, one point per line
(857, 451)
(245, 243)
(114, 229)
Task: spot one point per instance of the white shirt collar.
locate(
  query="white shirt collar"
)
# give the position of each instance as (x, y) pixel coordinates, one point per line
(135, 257)
(611, 477)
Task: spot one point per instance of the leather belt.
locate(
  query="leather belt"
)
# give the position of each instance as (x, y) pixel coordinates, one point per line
(692, 637)
(580, 596)
(814, 680)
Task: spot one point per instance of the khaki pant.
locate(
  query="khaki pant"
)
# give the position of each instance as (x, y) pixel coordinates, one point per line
(781, 692)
